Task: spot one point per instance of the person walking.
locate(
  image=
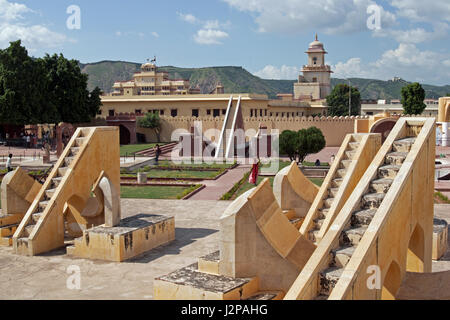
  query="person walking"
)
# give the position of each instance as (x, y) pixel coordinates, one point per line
(157, 153)
(9, 163)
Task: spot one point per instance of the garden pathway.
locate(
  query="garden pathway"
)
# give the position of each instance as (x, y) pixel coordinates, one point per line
(216, 188)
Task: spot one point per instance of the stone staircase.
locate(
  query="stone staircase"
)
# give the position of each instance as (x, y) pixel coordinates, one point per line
(167, 148)
(48, 194)
(362, 217)
(333, 189)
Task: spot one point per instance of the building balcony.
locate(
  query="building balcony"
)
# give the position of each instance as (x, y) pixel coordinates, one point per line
(325, 68)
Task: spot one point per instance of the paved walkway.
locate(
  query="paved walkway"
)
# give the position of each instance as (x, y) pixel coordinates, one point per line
(216, 188)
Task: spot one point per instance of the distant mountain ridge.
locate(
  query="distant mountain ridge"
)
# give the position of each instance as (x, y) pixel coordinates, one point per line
(238, 80)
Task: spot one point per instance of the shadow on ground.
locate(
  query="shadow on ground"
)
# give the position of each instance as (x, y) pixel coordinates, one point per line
(183, 237)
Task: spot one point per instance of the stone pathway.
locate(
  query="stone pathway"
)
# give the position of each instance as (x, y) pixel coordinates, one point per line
(216, 188)
(45, 276)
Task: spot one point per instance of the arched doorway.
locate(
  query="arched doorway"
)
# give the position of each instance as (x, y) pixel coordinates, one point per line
(392, 282)
(383, 126)
(416, 251)
(124, 135)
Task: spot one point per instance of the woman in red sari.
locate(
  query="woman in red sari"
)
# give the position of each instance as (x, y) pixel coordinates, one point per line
(254, 174)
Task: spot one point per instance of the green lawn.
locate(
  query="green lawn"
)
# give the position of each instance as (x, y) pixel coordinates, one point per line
(169, 164)
(131, 149)
(154, 192)
(179, 174)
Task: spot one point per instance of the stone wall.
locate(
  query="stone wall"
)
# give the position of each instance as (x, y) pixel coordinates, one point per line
(333, 128)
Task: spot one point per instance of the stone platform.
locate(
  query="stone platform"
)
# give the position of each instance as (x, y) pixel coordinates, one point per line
(192, 283)
(132, 237)
(202, 281)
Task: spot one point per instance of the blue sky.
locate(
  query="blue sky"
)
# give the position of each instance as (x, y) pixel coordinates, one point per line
(266, 37)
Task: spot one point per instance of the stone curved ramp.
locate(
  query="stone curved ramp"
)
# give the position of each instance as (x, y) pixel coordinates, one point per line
(293, 190)
(425, 286)
(276, 227)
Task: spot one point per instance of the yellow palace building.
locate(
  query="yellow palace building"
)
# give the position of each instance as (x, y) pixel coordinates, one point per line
(151, 90)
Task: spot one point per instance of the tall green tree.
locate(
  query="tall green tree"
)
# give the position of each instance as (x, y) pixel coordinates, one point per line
(151, 121)
(338, 101)
(288, 142)
(412, 99)
(67, 90)
(297, 145)
(22, 84)
(310, 141)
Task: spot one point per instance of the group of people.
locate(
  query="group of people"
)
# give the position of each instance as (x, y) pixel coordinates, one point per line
(30, 139)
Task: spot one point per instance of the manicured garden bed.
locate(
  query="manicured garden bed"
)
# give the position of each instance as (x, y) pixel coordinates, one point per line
(156, 192)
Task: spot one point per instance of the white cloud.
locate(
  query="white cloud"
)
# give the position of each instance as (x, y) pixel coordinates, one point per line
(118, 33)
(273, 72)
(187, 17)
(33, 36)
(210, 36)
(424, 11)
(352, 68)
(329, 16)
(12, 11)
(155, 34)
(210, 32)
(417, 35)
(406, 61)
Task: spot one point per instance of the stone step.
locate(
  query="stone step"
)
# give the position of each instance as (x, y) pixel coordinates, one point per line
(328, 202)
(372, 200)
(350, 154)
(328, 279)
(318, 223)
(380, 185)
(396, 157)
(341, 173)
(343, 255)
(322, 213)
(345, 164)
(62, 171)
(363, 217)
(50, 192)
(332, 192)
(403, 145)
(43, 205)
(56, 181)
(312, 235)
(353, 145)
(36, 216)
(336, 183)
(388, 171)
(79, 142)
(28, 229)
(74, 151)
(68, 160)
(352, 236)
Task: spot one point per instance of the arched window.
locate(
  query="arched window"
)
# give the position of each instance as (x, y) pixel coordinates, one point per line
(315, 60)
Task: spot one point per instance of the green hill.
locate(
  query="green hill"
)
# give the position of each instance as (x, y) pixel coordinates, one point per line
(238, 80)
